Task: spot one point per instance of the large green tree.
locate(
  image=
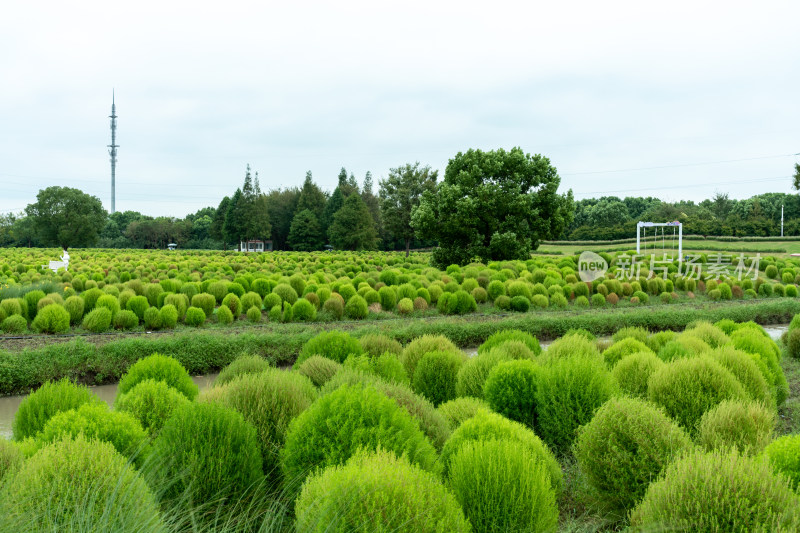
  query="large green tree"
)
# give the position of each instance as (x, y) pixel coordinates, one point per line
(66, 217)
(353, 227)
(281, 206)
(305, 235)
(311, 197)
(400, 193)
(796, 177)
(493, 206)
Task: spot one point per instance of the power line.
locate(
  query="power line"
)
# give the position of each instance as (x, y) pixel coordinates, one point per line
(680, 165)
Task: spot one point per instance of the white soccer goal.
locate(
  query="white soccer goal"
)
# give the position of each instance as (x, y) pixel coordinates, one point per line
(642, 236)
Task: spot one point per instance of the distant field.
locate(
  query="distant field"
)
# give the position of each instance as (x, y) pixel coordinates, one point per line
(778, 248)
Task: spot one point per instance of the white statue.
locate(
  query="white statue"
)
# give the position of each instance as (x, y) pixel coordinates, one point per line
(55, 265)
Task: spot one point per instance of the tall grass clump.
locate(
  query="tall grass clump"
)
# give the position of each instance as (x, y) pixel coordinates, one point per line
(627, 346)
(351, 417)
(688, 388)
(502, 487)
(151, 403)
(435, 375)
(335, 345)
(377, 491)
(461, 409)
(10, 458)
(510, 390)
(319, 369)
(633, 372)
(747, 370)
(473, 373)
(51, 398)
(414, 350)
(244, 364)
(784, 455)
(269, 401)
(159, 368)
(719, 490)
(51, 318)
(624, 448)
(78, 485)
(506, 335)
(744, 425)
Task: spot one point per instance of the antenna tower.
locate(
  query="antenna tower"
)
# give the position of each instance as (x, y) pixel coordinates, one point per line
(112, 151)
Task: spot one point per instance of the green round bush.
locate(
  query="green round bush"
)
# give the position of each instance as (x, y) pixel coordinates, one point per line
(79, 483)
(159, 368)
(244, 364)
(90, 297)
(747, 370)
(96, 421)
(505, 335)
(268, 400)
(784, 455)
(718, 491)
(53, 397)
(10, 458)
(614, 353)
(569, 390)
(74, 306)
(152, 318)
(232, 302)
(792, 342)
(388, 298)
(485, 426)
(502, 487)
(520, 304)
(387, 367)
(347, 291)
(218, 290)
(109, 302)
(271, 300)
(687, 388)
(405, 306)
(375, 344)
(495, 289)
(15, 324)
(335, 307)
(415, 349)
(98, 320)
(510, 389)
(204, 301)
(51, 319)
(168, 315)
(435, 375)
(708, 333)
(502, 302)
(138, 304)
(472, 375)
(461, 409)
(572, 344)
(319, 369)
(377, 491)
(125, 320)
(352, 417)
(624, 447)
(303, 311)
(335, 345)
(224, 315)
(251, 299)
(633, 372)
(744, 425)
(253, 315)
(32, 299)
(356, 308)
(207, 452)
(151, 403)
(286, 293)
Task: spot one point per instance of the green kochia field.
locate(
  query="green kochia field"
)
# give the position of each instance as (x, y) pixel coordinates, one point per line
(646, 430)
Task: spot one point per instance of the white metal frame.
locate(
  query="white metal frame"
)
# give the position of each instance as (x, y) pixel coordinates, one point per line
(641, 225)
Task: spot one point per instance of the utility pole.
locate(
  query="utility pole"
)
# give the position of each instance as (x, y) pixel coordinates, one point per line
(113, 152)
(781, 220)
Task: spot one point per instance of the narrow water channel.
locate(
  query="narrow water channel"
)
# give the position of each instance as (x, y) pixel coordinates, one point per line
(10, 404)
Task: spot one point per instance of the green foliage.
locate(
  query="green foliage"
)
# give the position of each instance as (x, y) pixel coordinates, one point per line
(152, 318)
(486, 426)
(96, 421)
(435, 375)
(718, 491)
(744, 425)
(77, 485)
(400, 194)
(784, 456)
(302, 311)
(352, 417)
(356, 308)
(98, 320)
(305, 233)
(318, 368)
(387, 366)
(204, 301)
(168, 315)
(74, 306)
(232, 302)
(109, 302)
(286, 292)
(377, 491)
(207, 453)
(688, 388)
(224, 315)
(51, 319)
(335, 345)
(138, 304)
(640, 334)
(622, 348)
(569, 391)
(159, 368)
(572, 344)
(388, 298)
(461, 409)
(151, 403)
(125, 320)
(417, 348)
(15, 324)
(244, 364)
(40, 406)
(268, 400)
(520, 304)
(624, 447)
(510, 389)
(633, 372)
(746, 367)
(376, 344)
(10, 458)
(253, 315)
(472, 375)
(502, 487)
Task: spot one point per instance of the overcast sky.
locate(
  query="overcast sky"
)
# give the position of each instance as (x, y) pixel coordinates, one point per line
(707, 92)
